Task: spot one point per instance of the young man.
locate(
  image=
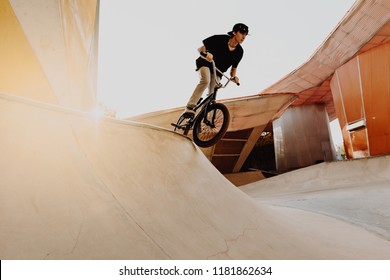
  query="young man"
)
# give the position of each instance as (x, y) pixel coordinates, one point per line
(226, 51)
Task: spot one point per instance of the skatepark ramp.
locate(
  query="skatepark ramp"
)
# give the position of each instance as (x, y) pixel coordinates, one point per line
(355, 191)
(76, 187)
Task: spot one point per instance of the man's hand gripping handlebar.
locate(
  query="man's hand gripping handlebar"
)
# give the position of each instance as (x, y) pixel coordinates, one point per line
(209, 57)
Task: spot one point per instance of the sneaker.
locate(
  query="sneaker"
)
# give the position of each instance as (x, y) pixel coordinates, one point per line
(188, 112)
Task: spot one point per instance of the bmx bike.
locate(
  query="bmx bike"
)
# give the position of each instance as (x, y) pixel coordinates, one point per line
(211, 119)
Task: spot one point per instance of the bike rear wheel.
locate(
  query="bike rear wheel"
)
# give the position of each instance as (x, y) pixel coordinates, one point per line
(209, 131)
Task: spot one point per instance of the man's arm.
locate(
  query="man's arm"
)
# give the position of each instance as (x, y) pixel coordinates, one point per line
(203, 51)
(233, 75)
(233, 72)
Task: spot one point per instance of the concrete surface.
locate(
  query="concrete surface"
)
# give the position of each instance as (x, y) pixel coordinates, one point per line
(74, 187)
(355, 191)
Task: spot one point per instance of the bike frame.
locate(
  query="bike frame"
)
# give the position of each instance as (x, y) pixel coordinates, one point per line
(205, 103)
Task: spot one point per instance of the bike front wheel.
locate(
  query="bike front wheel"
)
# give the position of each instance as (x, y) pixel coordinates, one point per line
(208, 131)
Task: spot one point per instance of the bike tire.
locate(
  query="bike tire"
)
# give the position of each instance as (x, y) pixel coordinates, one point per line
(205, 135)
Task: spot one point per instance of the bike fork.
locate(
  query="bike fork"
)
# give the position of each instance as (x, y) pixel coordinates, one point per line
(209, 122)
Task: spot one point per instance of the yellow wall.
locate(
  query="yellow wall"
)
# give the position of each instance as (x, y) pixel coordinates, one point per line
(20, 72)
(48, 51)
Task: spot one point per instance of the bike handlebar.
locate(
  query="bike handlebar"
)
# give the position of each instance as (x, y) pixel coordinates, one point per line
(203, 55)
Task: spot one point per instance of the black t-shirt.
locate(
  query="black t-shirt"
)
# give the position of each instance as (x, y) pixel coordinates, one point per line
(217, 45)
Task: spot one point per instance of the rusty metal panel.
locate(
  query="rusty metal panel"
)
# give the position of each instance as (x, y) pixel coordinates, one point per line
(350, 91)
(375, 75)
(336, 94)
(349, 99)
(359, 143)
(380, 144)
(339, 107)
(302, 138)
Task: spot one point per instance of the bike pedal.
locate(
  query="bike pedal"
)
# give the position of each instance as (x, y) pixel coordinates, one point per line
(175, 125)
(178, 126)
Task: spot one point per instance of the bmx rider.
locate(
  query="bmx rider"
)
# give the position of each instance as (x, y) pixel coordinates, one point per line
(226, 51)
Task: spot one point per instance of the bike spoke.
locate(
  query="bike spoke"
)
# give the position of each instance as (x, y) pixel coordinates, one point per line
(209, 129)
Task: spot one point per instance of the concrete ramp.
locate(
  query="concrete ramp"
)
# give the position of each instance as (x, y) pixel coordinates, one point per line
(74, 187)
(354, 191)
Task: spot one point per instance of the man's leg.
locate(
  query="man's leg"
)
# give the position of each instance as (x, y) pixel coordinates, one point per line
(204, 82)
(213, 83)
